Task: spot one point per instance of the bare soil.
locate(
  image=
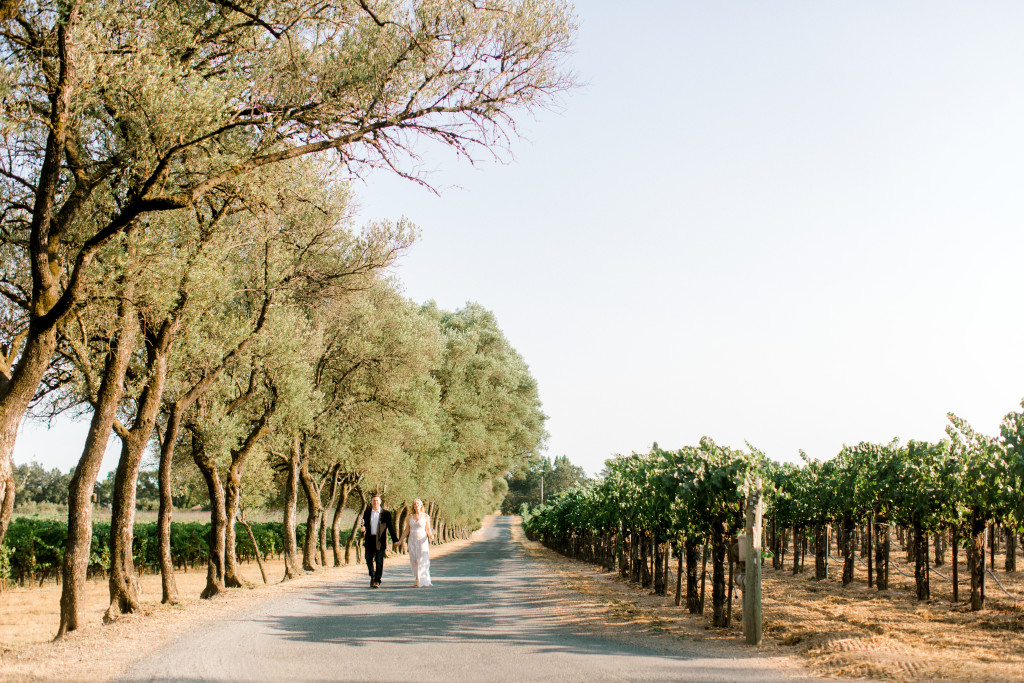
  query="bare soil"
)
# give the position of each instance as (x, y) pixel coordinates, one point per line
(830, 631)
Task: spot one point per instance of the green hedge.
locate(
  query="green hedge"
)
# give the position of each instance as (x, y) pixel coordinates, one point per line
(34, 548)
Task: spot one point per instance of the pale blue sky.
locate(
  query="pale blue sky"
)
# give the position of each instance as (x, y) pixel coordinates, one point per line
(793, 223)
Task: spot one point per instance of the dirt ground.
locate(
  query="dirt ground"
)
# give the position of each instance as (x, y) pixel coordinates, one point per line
(31, 615)
(854, 632)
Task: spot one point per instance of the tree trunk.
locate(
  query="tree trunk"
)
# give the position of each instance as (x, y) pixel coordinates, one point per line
(728, 604)
(176, 412)
(334, 477)
(703, 574)
(693, 559)
(940, 542)
(679, 577)
(15, 396)
(169, 587)
(820, 552)
(336, 523)
(1011, 551)
(19, 387)
(796, 550)
(314, 512)
(976, 561)
(871, 545)
(218, 518)
(233, 492)
(955, 549)
(79, 538)
(645, 568)
(124, 587)
(624, 554)
(660, 578)
(718, 550)
(848, 550)
(882, 545)
(920, 544)
(778, 549)
(634, 556)
(291, 493)
(355, 527)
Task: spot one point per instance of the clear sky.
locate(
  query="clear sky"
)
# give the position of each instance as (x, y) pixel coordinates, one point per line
(793, 223)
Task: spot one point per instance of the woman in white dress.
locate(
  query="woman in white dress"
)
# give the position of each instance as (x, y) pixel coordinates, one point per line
(420, 534)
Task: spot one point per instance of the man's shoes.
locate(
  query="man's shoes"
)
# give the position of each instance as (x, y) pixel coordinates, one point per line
(374, 584)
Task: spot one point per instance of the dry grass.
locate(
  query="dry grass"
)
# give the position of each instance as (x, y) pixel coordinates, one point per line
(854, 632)
(857, 631)
(31, 615)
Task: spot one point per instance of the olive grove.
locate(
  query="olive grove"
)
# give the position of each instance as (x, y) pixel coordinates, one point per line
(179, 261)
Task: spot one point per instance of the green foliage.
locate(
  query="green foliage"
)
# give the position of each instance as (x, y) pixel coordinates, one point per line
(34, 548)
(540, 476)
(33, 483)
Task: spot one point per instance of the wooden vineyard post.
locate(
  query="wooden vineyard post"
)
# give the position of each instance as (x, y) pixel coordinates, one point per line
(752, 571)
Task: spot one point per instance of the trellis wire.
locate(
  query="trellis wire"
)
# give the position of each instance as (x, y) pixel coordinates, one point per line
(935, 571)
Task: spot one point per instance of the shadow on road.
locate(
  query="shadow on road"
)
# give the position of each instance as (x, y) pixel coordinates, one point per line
(487, 592)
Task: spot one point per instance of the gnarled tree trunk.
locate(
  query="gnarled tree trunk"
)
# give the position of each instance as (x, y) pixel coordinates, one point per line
(848, 555)
(314, 512)
(168, 586)
(233, 492)
(1011, 551)
(291, 493)
(920, 544)
(46, 305)
(124, 587)
(218, 519)
(355, 527)
(976, 560)
(693, 571)
(348, 481)
(79, 539)
(718, 551)
(334, 477)
(882, 546)
(820, 551)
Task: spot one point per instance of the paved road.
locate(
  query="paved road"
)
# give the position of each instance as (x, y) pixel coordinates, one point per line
(482, 620)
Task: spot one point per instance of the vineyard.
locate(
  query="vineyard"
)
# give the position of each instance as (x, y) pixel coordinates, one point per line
(962, 494)
(33, 549)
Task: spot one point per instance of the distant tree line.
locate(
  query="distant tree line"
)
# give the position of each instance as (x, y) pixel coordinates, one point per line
(539, 479)
(33, 483)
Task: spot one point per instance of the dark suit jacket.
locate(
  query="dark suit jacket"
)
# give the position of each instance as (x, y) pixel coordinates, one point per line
(385, 525)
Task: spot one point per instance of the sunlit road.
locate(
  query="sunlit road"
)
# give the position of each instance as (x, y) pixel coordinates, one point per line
(482, 620)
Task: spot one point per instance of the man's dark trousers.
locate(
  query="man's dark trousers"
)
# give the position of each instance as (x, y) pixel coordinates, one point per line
(375, 557)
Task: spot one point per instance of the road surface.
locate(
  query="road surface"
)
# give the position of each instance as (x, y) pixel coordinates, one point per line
(482, 620)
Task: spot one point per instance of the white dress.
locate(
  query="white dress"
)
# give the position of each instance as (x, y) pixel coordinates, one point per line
(419, 550)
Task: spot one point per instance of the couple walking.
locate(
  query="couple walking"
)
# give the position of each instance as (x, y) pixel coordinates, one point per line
(377, 524)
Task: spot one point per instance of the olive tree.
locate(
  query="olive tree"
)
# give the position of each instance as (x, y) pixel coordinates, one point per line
(114, 113)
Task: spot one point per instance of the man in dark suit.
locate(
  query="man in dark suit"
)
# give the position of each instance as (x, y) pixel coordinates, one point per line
(377, 523)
